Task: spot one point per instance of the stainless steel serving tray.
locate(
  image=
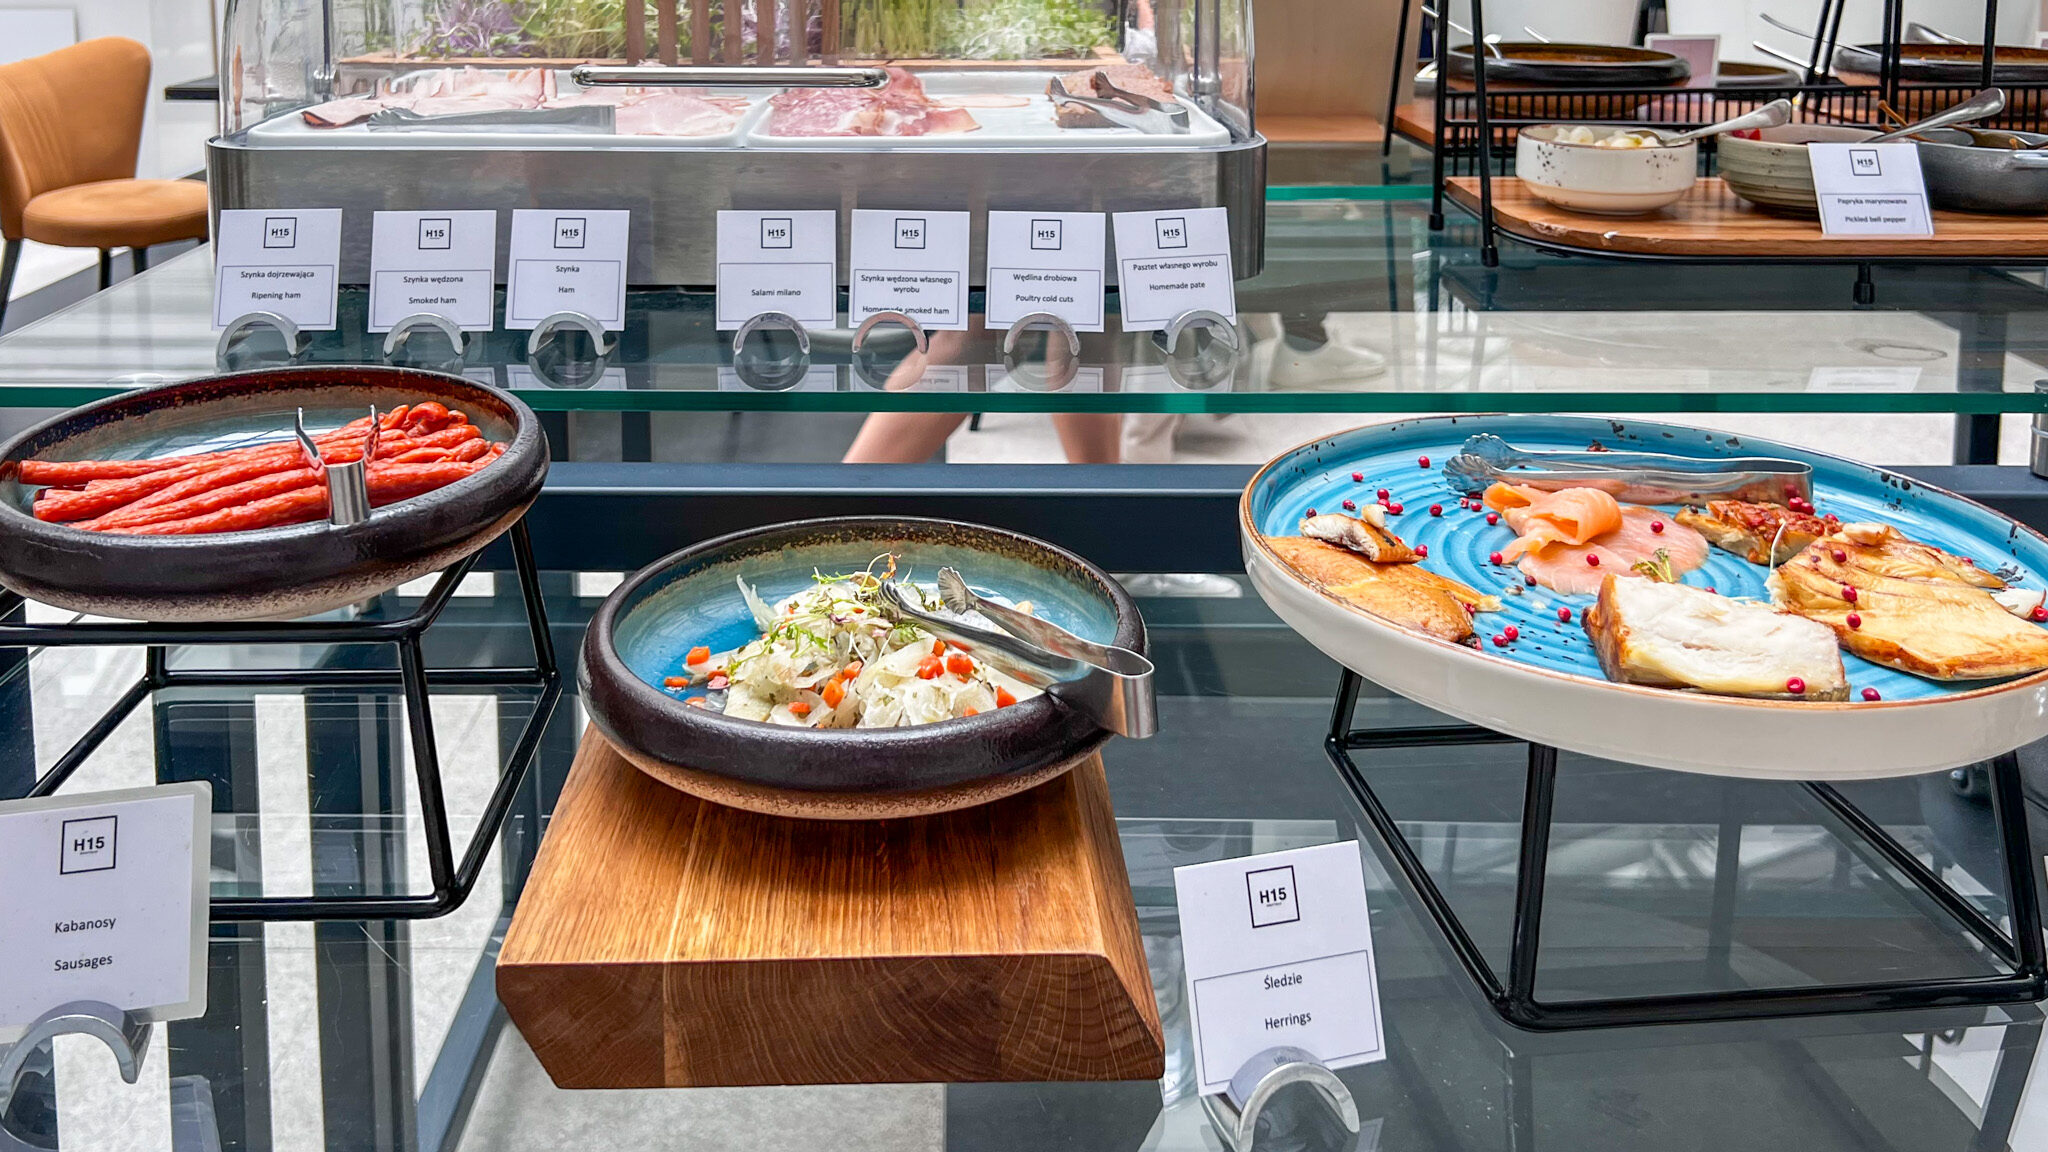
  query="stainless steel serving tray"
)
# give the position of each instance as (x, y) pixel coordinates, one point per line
(674, 192)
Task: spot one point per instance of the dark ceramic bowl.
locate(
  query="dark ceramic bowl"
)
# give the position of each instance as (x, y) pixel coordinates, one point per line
(1737, 74)
(644, 629)
(1533, 63)
(1949, 64)
(271, 573)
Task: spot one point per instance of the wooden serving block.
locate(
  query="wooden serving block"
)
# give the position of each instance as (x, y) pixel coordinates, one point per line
(1713, 221)
(665, 941)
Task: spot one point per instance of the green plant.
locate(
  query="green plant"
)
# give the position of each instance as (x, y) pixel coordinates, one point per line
(1027, 29)
(893, 29)
(568, 29)
(574, 29)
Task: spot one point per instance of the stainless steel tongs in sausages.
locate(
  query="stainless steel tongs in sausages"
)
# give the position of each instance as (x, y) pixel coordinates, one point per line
(1111, 686)
(1124, 109)
(348, 484)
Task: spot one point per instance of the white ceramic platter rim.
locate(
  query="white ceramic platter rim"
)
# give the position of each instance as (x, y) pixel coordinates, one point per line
(1827, 725)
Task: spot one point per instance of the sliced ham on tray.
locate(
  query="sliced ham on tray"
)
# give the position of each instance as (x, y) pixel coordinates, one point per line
(345, 111)
(677, 113)
(448, 92)
(900, 108)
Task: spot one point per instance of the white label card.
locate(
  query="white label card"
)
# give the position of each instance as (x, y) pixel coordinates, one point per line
(1279, 953)
(1045, 262)
(278, 260)
(1172, 262)
(104, 896)
(567, 261)
(778, 262)
(1870, 189)
(1702, 54)
(909, 262)
(440, 263)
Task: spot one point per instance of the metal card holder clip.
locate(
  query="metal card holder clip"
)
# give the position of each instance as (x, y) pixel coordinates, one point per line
(864, 365)
(348, 483)
(1236, 1114)
(1053, 380)
(295, 341)
(407, 324)
(1208, 366)
(121, 1030)
(771, 374)
(554, 322)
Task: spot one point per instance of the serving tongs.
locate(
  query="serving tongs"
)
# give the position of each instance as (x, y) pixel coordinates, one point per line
(576, 118)
(348, 483)
(1111, 686)
(1124, 109)
(1639, 477)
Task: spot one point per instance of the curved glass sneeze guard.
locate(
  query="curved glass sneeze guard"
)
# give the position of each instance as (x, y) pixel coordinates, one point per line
(1360, 309)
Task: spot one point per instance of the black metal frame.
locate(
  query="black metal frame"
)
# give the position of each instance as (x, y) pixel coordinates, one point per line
(452, 880)
(1473, 135)
(1515, 998)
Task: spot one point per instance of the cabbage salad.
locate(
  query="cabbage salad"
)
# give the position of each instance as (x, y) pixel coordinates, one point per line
(830, 656)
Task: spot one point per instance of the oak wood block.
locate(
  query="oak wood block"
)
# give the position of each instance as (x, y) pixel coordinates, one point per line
(665, 941)
(1713, 221)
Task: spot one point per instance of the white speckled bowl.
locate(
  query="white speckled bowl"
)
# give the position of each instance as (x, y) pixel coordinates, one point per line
(1603, 181)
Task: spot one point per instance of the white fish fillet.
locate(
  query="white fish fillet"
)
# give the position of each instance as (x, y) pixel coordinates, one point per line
(1678, 636)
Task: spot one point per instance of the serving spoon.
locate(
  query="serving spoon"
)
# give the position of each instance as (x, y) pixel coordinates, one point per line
(1985, 103)
(1769, 116)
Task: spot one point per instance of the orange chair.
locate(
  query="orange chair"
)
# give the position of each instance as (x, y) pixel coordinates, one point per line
(70, 126)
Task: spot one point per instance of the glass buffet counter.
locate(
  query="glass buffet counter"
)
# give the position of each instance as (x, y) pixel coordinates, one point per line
(1360, 309)
(353, 1034)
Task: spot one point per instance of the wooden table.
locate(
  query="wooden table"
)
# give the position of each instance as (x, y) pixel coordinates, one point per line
(1712, 222)
(1416, 120)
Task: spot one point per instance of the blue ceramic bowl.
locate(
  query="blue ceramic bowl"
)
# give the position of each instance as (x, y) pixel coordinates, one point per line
(643, 631)
(269, 573)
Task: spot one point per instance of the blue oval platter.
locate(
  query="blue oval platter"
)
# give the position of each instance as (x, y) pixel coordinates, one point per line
(1319, 476)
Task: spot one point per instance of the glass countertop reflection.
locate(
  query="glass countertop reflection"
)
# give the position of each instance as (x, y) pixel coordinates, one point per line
(1360, 308)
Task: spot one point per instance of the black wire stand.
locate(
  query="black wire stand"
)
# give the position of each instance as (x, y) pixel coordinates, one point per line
(1475, 132)
(1515, 998)
(452, 880)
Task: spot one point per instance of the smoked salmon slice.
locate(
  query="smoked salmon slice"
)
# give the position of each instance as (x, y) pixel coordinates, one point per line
(1541, 519)
(1564, 568)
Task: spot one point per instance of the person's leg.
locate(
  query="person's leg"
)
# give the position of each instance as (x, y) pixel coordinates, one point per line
(1090, 437)
(901, 437)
